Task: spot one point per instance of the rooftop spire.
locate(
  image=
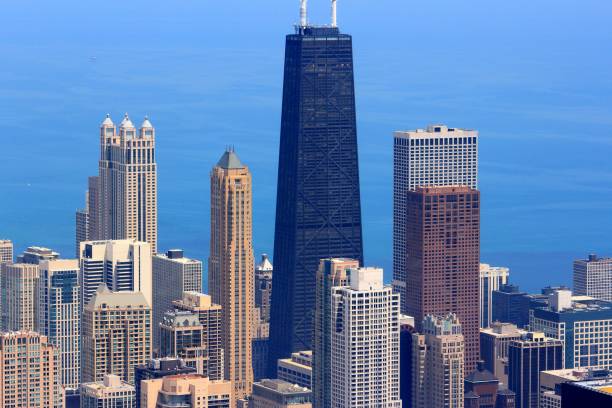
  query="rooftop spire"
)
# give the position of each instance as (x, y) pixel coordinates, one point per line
(334, 22)
(108, 121)
(303, 13)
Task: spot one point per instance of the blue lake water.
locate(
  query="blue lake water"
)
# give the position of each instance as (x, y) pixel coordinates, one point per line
(534, 79)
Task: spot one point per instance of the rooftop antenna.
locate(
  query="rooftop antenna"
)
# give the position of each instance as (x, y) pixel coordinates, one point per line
(334, 22)
(303, 15)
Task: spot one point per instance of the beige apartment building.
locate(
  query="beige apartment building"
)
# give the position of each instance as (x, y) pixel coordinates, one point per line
(116, 335)
(209, 315)
(438, 364)
(124, 195)
(231, 266)
(109, 393)
(279, 394)
(19, 285)
(187, 390)
(29, 371)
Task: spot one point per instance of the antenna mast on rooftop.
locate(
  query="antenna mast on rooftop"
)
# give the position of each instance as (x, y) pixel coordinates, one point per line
(334, 22)
(303, 14)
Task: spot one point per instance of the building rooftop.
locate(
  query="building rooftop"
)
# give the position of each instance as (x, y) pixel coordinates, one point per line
(146, 124)
(282, 387)
(177, 255)
(107, 121)
(105, 298)
(265, 265)
(230, 160)
(481, 374)
(435, 131)
(126, 122)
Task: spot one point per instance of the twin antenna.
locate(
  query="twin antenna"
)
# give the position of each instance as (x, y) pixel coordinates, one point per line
(304, 14)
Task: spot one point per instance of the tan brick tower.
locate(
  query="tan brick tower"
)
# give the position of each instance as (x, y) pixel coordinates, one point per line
(231, 266)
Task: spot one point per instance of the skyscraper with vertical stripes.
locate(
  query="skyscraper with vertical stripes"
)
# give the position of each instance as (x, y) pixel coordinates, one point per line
(122, 199)
(318, 209)
(231, 266)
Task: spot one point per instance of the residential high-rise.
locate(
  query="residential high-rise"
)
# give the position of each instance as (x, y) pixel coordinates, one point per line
(109, 393)
(279, 394)
(173, 274)
(527, 358)
(332, 272)
(182, 336)
(209, 315)
(126, 190)
(593, 277)
(436, 156)
(158, 368)
(406, 373)
(19, 287)
(297, 369)
(81, 227)
(94, 209)
(263, 287)
(6, 251)
(365, 342)
(35, 254)
(231, 265)
(59, 316)
(438, 364)
(443, 251)
(187, 390)
(318, 206)
(584, 325)
(123, 265)
(494, 342)
(29, 374)
(491, 279)
(116, 334)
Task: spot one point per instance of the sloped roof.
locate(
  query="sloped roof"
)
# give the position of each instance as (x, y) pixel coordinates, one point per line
(230, 160)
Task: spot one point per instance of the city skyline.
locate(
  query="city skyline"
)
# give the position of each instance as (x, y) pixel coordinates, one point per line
(501, 129)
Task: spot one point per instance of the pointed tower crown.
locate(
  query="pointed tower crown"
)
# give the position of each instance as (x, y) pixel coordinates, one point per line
(126, 122)
(146, 124)
(230, 160)
(108, 122)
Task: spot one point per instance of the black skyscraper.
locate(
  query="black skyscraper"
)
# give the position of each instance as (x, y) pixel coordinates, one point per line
(318, 211)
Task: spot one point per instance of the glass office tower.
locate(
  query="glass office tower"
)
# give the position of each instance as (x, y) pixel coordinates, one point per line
(318, 211)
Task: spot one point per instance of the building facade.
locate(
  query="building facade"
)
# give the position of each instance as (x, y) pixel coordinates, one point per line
(182, 336)
(443, 254)
(122, 265)
(263, 287)
(126, 190)
(190, 390)
(365, 342)
(231, 265)
(318, 205)
(59, 317)
(81, 227)
(279, 394)
(116, 335)
(438, 363)
(436, 156)
(209, 315)
(19, 288)
(297, 369)
(491, 279)
(29, 373)
(593, 277)
(158, 368)
(527, 358)
(584, 326)
(332, 272)
(109, 393)
(173, 274)
(6, 251)
(494, 342)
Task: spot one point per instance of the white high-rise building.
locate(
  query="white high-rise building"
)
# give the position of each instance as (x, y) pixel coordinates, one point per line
(436, 156)
(491, 279)
(365, 342)
(593, 277)
(123, 265)
(59, 315)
